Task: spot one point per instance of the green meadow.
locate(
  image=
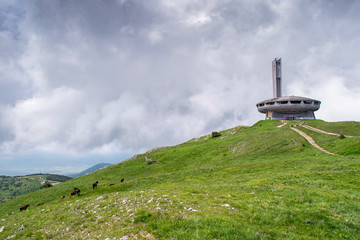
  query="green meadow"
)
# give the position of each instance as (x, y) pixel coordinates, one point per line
(258, 182)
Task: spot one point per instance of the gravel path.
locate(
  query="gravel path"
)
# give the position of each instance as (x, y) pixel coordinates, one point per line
(284, 122)
(324, 132)
(311, 141)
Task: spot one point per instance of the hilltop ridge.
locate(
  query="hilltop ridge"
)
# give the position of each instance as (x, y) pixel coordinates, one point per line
(90, 170)
(258, 182)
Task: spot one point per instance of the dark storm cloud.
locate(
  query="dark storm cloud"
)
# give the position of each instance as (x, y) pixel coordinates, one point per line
(113, 77)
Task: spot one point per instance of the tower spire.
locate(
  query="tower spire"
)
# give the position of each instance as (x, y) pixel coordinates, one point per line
(276, 75)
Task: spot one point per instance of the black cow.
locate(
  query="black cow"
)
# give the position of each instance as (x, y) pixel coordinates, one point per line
(95, 184)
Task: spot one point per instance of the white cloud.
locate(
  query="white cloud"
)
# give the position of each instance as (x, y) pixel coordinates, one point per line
(127, 76)
(198, 19)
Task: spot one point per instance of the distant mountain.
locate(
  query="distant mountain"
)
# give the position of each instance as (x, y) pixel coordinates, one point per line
(90, 170)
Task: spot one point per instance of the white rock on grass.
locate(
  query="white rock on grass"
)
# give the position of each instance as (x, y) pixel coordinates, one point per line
(2, 228)
(225, 205)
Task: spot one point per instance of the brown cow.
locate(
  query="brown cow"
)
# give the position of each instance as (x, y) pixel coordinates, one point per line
(122, 180)
(24, 207)
(76, 191)
(40, 204)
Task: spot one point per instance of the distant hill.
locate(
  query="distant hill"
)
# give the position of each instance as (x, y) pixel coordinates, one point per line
(12, 187)
(258, 182)
(90, 170)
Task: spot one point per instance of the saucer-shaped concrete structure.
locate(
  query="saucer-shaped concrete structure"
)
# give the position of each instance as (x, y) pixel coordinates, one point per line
(288, 107)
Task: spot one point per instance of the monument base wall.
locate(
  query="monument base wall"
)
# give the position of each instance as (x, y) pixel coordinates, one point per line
(290, 116)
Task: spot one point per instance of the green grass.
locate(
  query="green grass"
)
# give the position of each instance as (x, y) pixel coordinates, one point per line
(258, 182)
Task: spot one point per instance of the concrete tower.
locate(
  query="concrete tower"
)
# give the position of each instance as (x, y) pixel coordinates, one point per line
(276, 76)
(287, 107)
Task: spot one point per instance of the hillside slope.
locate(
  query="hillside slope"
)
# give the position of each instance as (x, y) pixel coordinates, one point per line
(12, 187)
(259, 182)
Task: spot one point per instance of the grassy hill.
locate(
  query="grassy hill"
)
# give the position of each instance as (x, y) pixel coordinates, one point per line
(12, 187)
(258, 182)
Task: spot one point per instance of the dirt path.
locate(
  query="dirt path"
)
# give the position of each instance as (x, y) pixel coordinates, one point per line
(311, 141)
(284, 122)
(324, 132)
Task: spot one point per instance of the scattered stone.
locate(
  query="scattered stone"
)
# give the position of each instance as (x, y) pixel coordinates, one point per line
(146, 235)
(157, 149)
(2, 228)
(225, 205)
(101, 197)
(21, 229)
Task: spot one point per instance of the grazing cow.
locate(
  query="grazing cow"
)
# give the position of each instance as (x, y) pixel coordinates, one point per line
(10, 213)
(76, 191)
(24, 207)
(111, 184)
(95, 184)
(40, 204)
(62, 197)
(122, 180)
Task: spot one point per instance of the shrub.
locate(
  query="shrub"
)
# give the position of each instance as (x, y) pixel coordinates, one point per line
(215, 134)
(46, 184)
(149, 160)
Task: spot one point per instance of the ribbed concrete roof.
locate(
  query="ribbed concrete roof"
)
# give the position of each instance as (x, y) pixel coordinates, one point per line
(289, 98)
(288, 104)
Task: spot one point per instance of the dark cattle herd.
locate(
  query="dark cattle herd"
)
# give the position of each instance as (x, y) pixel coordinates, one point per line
(76, 191)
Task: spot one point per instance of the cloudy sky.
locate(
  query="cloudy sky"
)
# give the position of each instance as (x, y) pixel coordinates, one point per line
(83, 82)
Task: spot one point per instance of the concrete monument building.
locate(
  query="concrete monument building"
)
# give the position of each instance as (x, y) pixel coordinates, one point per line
(287, 107)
